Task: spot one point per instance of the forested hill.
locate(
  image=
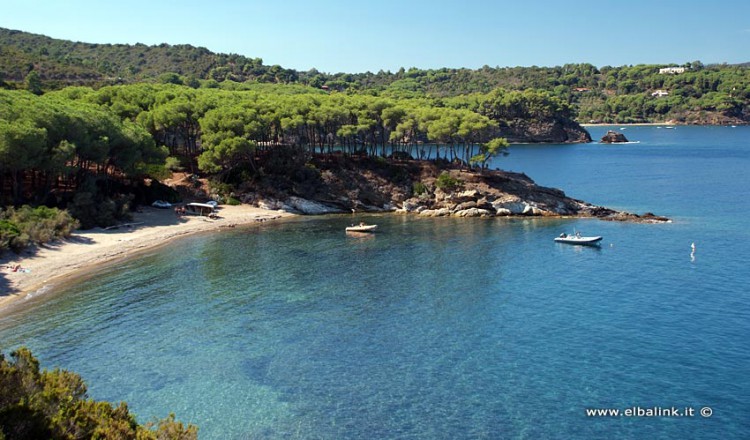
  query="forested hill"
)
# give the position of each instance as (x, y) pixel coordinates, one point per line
(63, 63)
(692, 93)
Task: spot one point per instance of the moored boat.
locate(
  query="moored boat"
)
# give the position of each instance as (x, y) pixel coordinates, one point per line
(577, 238)
(361, 228)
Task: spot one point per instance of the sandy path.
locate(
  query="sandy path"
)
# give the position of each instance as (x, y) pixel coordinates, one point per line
(84, 250)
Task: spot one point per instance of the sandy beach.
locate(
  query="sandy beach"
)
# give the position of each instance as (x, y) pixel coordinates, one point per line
(54, 262)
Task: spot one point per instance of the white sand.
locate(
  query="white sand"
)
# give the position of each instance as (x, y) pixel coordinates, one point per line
(85, 250)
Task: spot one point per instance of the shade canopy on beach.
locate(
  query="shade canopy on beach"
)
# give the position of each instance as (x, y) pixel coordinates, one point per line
(199, 208)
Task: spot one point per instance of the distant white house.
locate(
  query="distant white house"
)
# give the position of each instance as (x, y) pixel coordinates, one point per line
(659, 93)
(671, 70)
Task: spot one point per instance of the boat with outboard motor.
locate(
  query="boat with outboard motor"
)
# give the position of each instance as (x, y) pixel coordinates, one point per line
(577, 238)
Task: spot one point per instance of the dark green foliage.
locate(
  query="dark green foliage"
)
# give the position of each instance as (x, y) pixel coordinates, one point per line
(34, 83)
(156, 190)
(53, 405)
(55, 141)
(92, 207)
(221, 189)
(446, 182)
(62, 62)
(173, 164)
(594, 93)
(419, 188)
(26, 225)
(9, 236)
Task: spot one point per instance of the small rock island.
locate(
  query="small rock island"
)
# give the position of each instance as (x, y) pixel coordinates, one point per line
(613, 137)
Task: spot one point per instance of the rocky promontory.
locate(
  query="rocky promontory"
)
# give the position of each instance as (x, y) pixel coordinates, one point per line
(537, 130)
(344, 185)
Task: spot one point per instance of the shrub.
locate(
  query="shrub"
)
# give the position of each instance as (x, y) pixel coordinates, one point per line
(173, 164)
(419, 188)
(232, 201)
(221, 189)
(55, 405)
(9, 231)
(26, 225)
(446, 182)
(92, 211)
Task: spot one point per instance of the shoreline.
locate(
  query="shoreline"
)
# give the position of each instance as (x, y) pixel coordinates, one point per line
(85, 252)
(645, 124)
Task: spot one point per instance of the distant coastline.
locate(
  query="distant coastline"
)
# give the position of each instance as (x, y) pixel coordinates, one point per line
(647, 124)
(654, 124)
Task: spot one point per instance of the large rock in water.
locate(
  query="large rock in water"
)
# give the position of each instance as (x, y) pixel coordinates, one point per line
(613, 137)
(310, 207)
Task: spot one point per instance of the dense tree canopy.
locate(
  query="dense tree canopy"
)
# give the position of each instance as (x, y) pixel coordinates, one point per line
(78, 139)
(701, 94)
(53, 142)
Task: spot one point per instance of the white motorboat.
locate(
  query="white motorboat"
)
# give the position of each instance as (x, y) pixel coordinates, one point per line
(577, 238)
(361, 228)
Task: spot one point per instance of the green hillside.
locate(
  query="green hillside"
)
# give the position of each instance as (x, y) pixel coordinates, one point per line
(62, 63)
(713, 94)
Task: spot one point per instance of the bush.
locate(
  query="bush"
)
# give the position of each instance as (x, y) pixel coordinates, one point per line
(221, 189)
(173, 164)
(232, 201)
(419, 189)
(26, 225)
(92, 210)
(9, 231)
(446, 182)
(55, 405)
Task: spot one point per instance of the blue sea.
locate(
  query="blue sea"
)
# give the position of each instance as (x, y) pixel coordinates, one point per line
(442, 328)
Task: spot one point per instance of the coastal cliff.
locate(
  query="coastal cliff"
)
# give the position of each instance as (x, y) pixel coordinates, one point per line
(554, 131)
(421, 188)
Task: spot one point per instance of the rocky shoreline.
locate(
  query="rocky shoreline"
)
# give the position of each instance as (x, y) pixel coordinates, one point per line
(471, 194)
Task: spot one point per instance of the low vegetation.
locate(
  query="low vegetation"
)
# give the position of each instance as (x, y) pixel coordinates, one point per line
(41, 404)
(446, 182)
(24, 226)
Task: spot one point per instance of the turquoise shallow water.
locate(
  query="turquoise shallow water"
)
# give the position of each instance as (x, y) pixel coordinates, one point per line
(441, 328)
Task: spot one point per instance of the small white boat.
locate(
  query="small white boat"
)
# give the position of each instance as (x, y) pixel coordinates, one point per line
(578, 239)
(361, 228)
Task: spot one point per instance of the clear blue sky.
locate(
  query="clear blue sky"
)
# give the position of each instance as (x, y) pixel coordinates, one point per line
(357, 36)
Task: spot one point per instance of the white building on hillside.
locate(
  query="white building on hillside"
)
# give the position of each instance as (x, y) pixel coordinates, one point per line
(672, 70)
(659, 93)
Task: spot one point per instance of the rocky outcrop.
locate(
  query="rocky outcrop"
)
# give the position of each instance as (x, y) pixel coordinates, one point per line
(376, 186)
(502, 194)
(309, 207)
(555, 131)
(613, 137)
